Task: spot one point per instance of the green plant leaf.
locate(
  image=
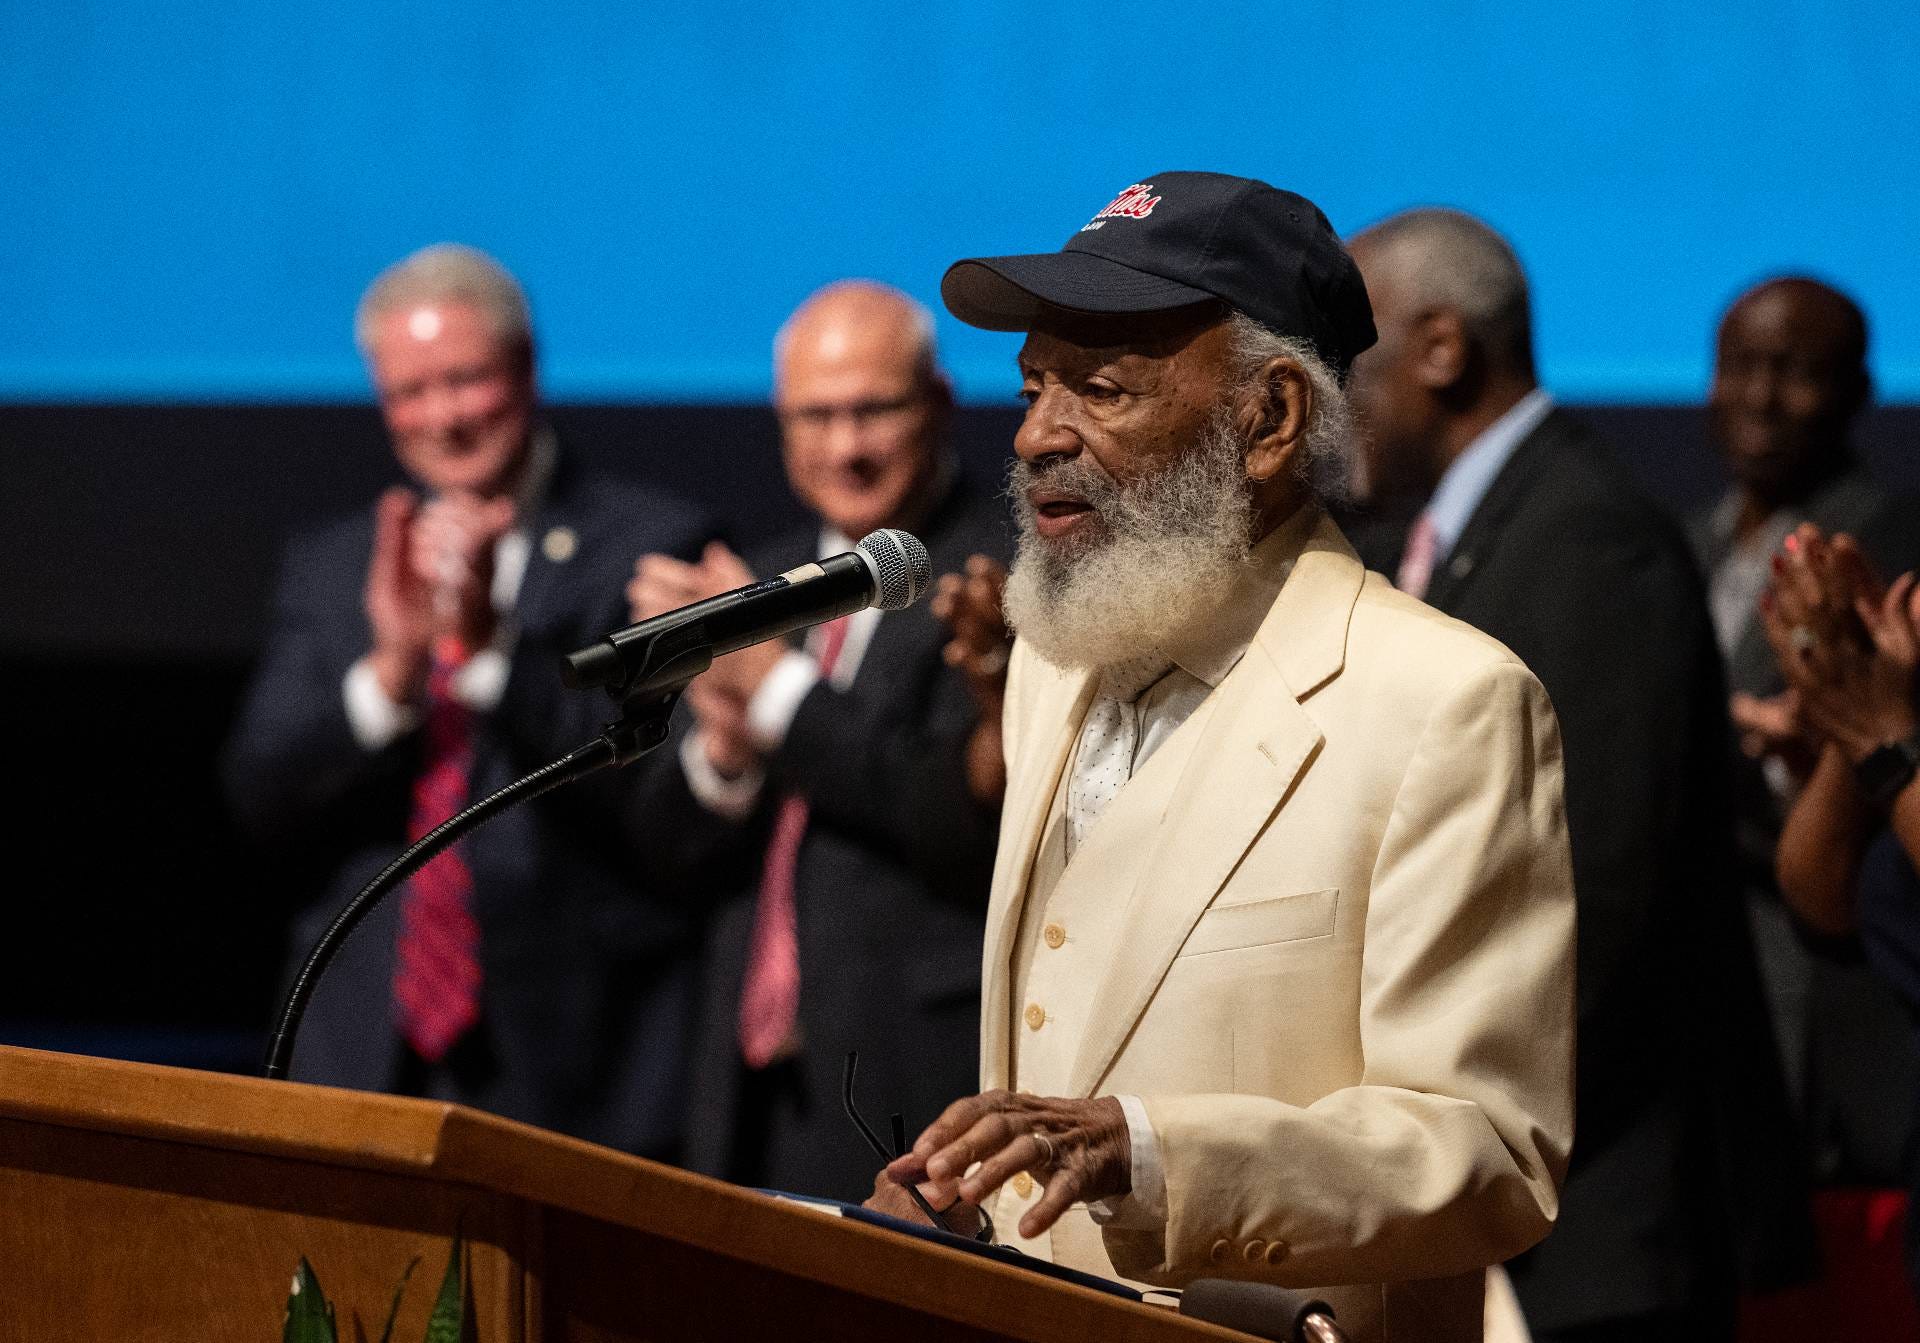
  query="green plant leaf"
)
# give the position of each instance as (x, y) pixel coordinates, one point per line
(393, 1311)
(309, 1314)
(448, 1323)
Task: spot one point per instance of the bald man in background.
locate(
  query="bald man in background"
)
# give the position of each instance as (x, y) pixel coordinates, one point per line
(1530, 531)
(854, 772)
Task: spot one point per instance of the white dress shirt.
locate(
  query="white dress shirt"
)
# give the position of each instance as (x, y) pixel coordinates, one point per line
(1472, 473)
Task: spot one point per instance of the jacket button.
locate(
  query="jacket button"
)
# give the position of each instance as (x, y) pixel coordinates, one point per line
(1055, 935)
(1036, 1016)
(1023, 1185)
(1221, 1252)
(1253, 1250)
(1277, 1251)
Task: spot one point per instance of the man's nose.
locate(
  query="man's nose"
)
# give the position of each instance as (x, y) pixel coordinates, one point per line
(439, 408)
(843, 436)
(1760, 390)
(1046, 431)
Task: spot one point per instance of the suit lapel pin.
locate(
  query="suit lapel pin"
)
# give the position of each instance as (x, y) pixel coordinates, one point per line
(559, 544)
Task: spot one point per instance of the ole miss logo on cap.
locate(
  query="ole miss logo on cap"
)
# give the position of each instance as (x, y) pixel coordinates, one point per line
(1136, 202)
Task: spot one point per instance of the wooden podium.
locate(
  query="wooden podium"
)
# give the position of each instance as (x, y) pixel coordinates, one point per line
(139, 1202)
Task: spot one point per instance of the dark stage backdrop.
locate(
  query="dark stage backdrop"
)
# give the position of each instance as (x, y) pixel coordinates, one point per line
(137, 556)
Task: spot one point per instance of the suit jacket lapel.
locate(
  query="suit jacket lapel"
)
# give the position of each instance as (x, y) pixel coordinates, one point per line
(1255, 744)
(556, 512)
(1060, 705)
(1453, 575)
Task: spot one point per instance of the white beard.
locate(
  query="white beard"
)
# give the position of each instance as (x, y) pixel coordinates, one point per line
(1169, 548)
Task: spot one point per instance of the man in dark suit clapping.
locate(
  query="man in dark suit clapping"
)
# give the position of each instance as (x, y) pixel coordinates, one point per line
(842, 767)
(539, 969)
(1533, 533)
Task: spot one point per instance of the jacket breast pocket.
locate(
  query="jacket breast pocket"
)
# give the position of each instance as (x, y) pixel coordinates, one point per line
(1256, 923)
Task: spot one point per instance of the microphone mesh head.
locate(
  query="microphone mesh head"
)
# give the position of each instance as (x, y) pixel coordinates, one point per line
(901, 568)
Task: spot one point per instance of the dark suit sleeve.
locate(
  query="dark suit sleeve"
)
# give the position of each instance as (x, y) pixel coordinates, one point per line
(891, 782)
(712, 857)
(293, 759)
(539, 719)
(890, 769)
(1683, 1141)
(1621, 645)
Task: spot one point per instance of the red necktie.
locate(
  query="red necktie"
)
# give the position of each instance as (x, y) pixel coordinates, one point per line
(770, 995)
(1416, 564)
(436, 973)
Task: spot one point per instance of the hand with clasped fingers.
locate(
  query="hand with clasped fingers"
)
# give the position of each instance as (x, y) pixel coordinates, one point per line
(720, 695)
(1847, 645)
(1079, 1151)
(1845, 641)
(968, 604)
(430, 581)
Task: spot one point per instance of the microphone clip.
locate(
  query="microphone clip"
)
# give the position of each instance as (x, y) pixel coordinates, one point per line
(642, 724)
(661, 664)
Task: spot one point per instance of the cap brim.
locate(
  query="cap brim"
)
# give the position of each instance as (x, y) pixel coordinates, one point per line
(1007, 293)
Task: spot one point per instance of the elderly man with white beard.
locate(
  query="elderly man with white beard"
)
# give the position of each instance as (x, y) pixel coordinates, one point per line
(1278, 965)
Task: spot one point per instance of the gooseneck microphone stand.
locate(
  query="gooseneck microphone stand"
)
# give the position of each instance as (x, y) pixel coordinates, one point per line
(641, 726)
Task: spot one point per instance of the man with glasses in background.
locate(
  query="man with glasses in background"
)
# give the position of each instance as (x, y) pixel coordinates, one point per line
(853, 772)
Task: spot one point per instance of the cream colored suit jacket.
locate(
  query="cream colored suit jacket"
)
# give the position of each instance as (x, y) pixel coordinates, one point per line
(1343, 975)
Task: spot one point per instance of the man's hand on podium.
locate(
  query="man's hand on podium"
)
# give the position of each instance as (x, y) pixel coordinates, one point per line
(890, 1197)
(1078, 1149)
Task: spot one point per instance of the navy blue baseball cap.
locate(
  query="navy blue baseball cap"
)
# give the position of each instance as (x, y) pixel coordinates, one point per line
(1178, 239)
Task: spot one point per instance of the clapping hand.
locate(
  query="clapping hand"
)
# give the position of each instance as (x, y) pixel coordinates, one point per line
(719, 696)
(978, 641)
(1845, 641)
(968, 604)
(430, 578)
(451, 549)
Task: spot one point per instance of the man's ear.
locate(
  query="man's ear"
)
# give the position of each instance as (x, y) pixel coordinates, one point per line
(1272, 415)
(1439, 349)
(939, 393)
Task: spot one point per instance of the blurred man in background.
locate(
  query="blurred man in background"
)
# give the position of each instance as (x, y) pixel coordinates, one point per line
(535, 970)
(1531, 532)
(1790, 378)
(851, 773)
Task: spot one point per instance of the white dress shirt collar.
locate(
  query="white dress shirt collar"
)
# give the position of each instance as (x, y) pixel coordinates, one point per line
(1472, 473)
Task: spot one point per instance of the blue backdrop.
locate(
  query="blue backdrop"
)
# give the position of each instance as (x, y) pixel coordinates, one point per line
(194, 193)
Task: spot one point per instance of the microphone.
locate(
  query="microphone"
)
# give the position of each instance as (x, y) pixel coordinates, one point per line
(889, 569)
(1265, 1311)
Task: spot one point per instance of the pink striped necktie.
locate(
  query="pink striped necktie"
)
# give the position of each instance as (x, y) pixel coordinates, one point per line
(1416, 562)
(436, 973)
(770, 994)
